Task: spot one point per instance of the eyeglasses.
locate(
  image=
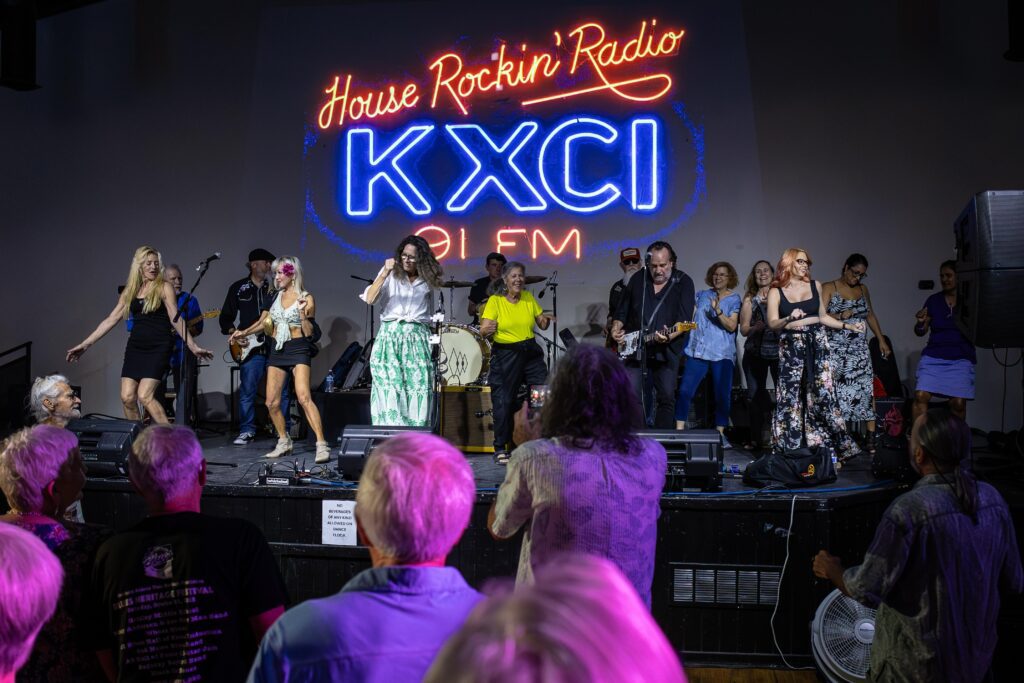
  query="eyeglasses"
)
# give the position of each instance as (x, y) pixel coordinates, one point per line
(630, 261)
(860, 276)
(406, 257)
(804, 262)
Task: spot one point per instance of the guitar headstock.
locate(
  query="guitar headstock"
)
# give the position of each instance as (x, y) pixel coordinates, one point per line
(684, 327)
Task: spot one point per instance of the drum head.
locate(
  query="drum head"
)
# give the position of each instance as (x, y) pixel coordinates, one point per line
(463, 353)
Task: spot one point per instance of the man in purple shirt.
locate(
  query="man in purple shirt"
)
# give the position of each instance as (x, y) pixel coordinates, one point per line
(940, 556)
(388, 622)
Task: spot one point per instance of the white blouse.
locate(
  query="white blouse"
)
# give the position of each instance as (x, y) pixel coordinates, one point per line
(400, 300)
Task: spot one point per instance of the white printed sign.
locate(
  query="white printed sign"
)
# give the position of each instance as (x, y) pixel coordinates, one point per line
(339, 523)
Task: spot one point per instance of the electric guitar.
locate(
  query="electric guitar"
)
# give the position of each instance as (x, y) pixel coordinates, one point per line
(241, 349)
(630, 344)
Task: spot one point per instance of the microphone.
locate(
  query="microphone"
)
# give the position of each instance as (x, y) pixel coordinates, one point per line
(206, 261)
(545, 290)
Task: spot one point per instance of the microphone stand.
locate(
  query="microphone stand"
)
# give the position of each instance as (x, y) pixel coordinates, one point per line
(372, 315)
(434, 417)
(642, 347)
(552, 348)
(187, 392)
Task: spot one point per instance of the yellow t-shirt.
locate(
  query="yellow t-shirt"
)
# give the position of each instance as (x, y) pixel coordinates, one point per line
(515, 321)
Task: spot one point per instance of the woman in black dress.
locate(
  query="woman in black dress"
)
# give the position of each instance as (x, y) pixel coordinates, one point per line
(151, 302)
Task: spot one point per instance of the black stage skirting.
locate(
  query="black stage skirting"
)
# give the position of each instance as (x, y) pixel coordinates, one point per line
(718, 567)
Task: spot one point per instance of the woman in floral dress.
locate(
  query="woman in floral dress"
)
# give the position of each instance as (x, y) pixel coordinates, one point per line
(807, 411)
(847, 298)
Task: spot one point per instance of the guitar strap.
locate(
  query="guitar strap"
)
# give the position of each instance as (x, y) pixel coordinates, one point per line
(664, 296)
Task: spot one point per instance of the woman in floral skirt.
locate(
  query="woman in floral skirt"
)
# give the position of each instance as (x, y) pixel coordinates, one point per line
(807, 410)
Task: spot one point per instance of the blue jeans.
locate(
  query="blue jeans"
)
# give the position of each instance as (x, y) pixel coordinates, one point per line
(721, 378)
(250, 373)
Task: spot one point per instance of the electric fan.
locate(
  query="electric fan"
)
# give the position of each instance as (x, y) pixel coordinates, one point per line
(841, 636)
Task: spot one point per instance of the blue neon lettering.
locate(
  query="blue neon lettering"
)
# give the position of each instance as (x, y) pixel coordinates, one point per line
(363, 170)
(495, 165)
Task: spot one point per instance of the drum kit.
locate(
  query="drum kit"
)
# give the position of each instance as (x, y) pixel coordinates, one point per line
(465, 353)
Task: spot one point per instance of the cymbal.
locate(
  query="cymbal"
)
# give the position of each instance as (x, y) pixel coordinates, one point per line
(457, 283)
(534, 279)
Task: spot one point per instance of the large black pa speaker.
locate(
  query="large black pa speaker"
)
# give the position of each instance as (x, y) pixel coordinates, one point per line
(358, 441)
(695, 457)
(990, 269)
(105, 444)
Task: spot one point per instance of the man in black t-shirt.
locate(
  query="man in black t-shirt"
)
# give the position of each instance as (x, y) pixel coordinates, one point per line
(478, 294)
(181, 595)
(247, 299)
(658, 299)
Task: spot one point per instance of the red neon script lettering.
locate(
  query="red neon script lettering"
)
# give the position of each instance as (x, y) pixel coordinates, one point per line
(370, 104)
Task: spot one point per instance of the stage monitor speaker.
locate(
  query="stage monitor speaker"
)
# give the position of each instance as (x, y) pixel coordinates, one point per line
(990, 231)
(695, 457)
(105, 444)
(358, 441)
(466, 418)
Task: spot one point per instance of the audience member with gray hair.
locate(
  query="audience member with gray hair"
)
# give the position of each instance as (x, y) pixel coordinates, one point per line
(175, 595)
(581, 622)
(41, 475)
(52, 401)
(388, 622)
(30, 582)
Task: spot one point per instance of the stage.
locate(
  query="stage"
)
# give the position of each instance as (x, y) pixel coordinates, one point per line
(719, 563)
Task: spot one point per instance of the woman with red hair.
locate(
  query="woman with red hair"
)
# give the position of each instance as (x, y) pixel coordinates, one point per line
(807, 411)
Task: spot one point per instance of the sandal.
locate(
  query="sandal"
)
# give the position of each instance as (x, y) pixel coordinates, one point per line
(501, 458)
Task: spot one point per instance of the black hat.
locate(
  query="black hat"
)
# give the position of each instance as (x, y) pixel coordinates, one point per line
(260, 255)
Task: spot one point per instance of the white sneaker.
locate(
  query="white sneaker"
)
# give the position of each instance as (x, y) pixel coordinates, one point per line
(244, 438)
(323, 452)
(284, 447)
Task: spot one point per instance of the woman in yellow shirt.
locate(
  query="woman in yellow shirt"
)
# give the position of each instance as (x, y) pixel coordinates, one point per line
(509, 315)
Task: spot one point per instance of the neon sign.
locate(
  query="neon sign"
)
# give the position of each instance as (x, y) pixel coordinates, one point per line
(511, 172)
(455, 84)
(495, 172)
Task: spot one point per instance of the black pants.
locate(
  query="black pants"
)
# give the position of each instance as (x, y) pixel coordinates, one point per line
(756, 370)
(511, 366)
(663, 374)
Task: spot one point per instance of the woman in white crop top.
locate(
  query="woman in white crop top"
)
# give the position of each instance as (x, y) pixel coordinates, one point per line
(400, 365)
(290, 317)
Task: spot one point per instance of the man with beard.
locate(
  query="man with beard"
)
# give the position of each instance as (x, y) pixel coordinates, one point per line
(651, 305)
(53, 401)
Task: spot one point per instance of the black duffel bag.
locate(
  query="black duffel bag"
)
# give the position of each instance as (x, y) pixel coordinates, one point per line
(798, 468)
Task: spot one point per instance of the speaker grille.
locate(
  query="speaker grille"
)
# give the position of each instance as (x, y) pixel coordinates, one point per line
(735, 586)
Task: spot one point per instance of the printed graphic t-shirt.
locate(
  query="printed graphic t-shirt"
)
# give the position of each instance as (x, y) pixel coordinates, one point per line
(172, 596)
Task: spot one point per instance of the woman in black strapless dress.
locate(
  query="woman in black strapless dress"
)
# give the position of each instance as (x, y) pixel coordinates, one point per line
(152, 304)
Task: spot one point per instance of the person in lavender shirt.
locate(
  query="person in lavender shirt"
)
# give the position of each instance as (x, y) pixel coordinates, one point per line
(940, 556)
(589, 485)
(388, 622)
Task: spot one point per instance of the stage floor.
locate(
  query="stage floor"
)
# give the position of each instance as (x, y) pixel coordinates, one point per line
(232, 465)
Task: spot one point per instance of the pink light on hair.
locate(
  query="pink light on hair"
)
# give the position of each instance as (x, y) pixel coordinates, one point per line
(415, 497)
(165, 460)
(581, 621)
(30, 583)
(29, 460)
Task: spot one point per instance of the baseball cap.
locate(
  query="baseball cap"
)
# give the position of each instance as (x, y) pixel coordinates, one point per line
(629, 253)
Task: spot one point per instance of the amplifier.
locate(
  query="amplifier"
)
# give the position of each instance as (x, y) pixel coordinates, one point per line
(990, 231)
(990, 310)
(695, 457)
(358, 441)
(466, 418)
(105, 444)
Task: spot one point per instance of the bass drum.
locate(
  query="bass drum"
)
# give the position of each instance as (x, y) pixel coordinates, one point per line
(465, 355)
